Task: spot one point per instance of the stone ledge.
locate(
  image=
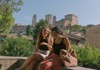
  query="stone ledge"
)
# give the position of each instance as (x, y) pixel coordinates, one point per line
(11, 57)
(77, 68)
(11, 63)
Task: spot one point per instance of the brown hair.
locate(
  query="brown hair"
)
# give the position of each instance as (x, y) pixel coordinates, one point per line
(40, 36)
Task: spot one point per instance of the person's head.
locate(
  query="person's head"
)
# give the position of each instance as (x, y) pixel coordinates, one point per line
(55, 31)
(44, 32)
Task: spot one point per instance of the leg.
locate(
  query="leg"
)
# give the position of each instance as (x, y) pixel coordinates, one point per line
(45, 65)
(29, 60)
(34, 62)
(51, 63)
(31, 65)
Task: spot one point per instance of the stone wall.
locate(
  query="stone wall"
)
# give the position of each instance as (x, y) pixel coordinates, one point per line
(93, 36)
(11, 63)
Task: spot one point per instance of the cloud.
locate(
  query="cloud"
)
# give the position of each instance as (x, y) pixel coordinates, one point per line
(28, 18)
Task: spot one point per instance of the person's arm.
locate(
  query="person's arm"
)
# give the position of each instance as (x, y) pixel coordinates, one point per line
(51, 51)
(49, 44)
(67, 43)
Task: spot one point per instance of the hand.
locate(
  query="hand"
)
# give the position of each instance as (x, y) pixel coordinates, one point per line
(43, 43)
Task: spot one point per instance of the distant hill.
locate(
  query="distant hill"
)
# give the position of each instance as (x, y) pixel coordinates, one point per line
(93, 35)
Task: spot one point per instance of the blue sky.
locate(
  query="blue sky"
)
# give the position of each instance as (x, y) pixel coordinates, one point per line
(88, 11)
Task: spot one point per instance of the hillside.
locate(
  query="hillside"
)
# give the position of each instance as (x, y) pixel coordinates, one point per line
(93, 36)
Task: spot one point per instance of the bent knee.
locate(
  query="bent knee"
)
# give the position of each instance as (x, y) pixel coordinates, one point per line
(47, 64)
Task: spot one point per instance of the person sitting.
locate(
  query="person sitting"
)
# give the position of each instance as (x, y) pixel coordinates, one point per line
(43, 46)
(53, 61)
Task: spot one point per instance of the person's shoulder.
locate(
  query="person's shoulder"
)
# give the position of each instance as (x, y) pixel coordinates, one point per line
(66, 39)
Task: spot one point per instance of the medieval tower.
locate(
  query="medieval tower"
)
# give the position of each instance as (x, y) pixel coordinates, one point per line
(49, 18)
(34, 20)
(54, 19)
(73, 19)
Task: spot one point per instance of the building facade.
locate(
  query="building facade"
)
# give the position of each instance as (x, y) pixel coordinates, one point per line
(72, 18)
(54, 19)
(49, 18)
(19, 29)
(34, 20)
(69, 20)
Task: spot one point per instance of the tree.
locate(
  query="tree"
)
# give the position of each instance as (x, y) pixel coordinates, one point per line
(7, 8)
(38, 27)
(76, 28)
(29, 30)
(41, 24)
(11, 5)
(6, 23)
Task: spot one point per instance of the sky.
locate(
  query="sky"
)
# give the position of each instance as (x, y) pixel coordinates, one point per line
(88, 11)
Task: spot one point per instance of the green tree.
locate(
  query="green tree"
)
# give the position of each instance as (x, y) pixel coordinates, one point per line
(10, 5)
(38, 27)
(29, 30)
(7, 22)
(7, 8)
(83, 30)
(41, 24)
(76, 28)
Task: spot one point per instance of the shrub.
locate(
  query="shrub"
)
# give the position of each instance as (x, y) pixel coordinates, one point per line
(88, 56)
(16, 47)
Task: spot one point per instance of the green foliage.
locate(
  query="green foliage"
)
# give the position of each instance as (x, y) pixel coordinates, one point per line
(7, 8)
(29, 30)
(76, 28)
(10, 5)
(88, 56)
(16, 47)
(38, 27)
(0, 17)
(41, 23)
(7, 22)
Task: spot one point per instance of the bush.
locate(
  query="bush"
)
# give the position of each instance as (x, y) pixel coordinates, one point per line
(16, 47)
(88, 56)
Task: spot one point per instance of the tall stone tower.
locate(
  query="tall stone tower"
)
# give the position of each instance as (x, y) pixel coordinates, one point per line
(72, 18)
(34, 20)
(49, 18)
(54, 19)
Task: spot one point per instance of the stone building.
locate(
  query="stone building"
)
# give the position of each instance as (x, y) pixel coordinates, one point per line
(72, 18)
(69, 20)
(34, 20)
(76, 38)
(49, 18)
(19, 29)
(54, 19)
